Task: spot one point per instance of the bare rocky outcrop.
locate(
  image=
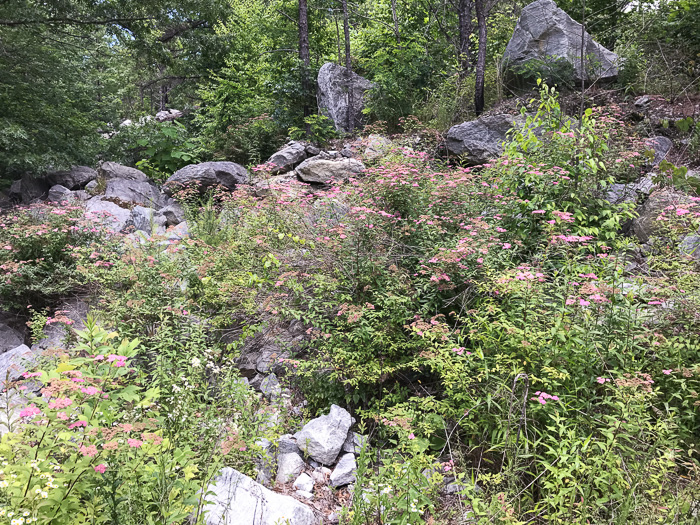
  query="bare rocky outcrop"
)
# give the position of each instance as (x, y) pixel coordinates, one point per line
(334, 85)
(548, 38)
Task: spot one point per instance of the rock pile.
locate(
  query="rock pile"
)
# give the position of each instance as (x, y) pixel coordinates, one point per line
(302, 461)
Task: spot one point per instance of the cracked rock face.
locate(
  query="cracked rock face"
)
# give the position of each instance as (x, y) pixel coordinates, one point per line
(545, 33)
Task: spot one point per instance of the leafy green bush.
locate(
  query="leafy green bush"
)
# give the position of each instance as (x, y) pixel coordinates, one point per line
(167, 149)
(554, 71)
(321, 127)
(250, 142)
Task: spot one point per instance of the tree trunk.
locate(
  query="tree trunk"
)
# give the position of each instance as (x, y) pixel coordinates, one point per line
(304, 57)
(337, 36)
(396, 22)
(481, 57)
(465, 32)
(350, 117)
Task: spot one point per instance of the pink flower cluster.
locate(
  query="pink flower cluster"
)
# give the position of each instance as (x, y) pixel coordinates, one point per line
(61, 402)
(118, 360)
(31, 411)
(542, 397)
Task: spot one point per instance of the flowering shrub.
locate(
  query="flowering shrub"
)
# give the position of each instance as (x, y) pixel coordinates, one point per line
(91, 441)
(475, 311)
(488, 324)
(40, 247)
(100, 441)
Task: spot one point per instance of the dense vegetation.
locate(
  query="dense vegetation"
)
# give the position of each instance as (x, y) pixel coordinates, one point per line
(492, 323)
(73, 71)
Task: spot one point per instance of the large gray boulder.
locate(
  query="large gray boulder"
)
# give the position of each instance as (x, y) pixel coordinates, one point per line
(289, 466)
(134, 192)
(14, 363)
(74, 179)
(238, 500)
(288, 157)
(646, 226)
(148, 220)
(112, 170)
(113, 217)
(60, 193)
(207, 175)
(344, 471)
(29, 189)
(546, 38)
(333, 88)
(630, 192)
(174, 214)
(320, 170)
(9, 338)
(322, 438)
(481, 140)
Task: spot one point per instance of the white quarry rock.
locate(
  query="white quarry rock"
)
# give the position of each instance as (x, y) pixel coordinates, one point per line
(305, 483)
(344, 472)
(238, 500)
(289, 466)
(322, 438)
